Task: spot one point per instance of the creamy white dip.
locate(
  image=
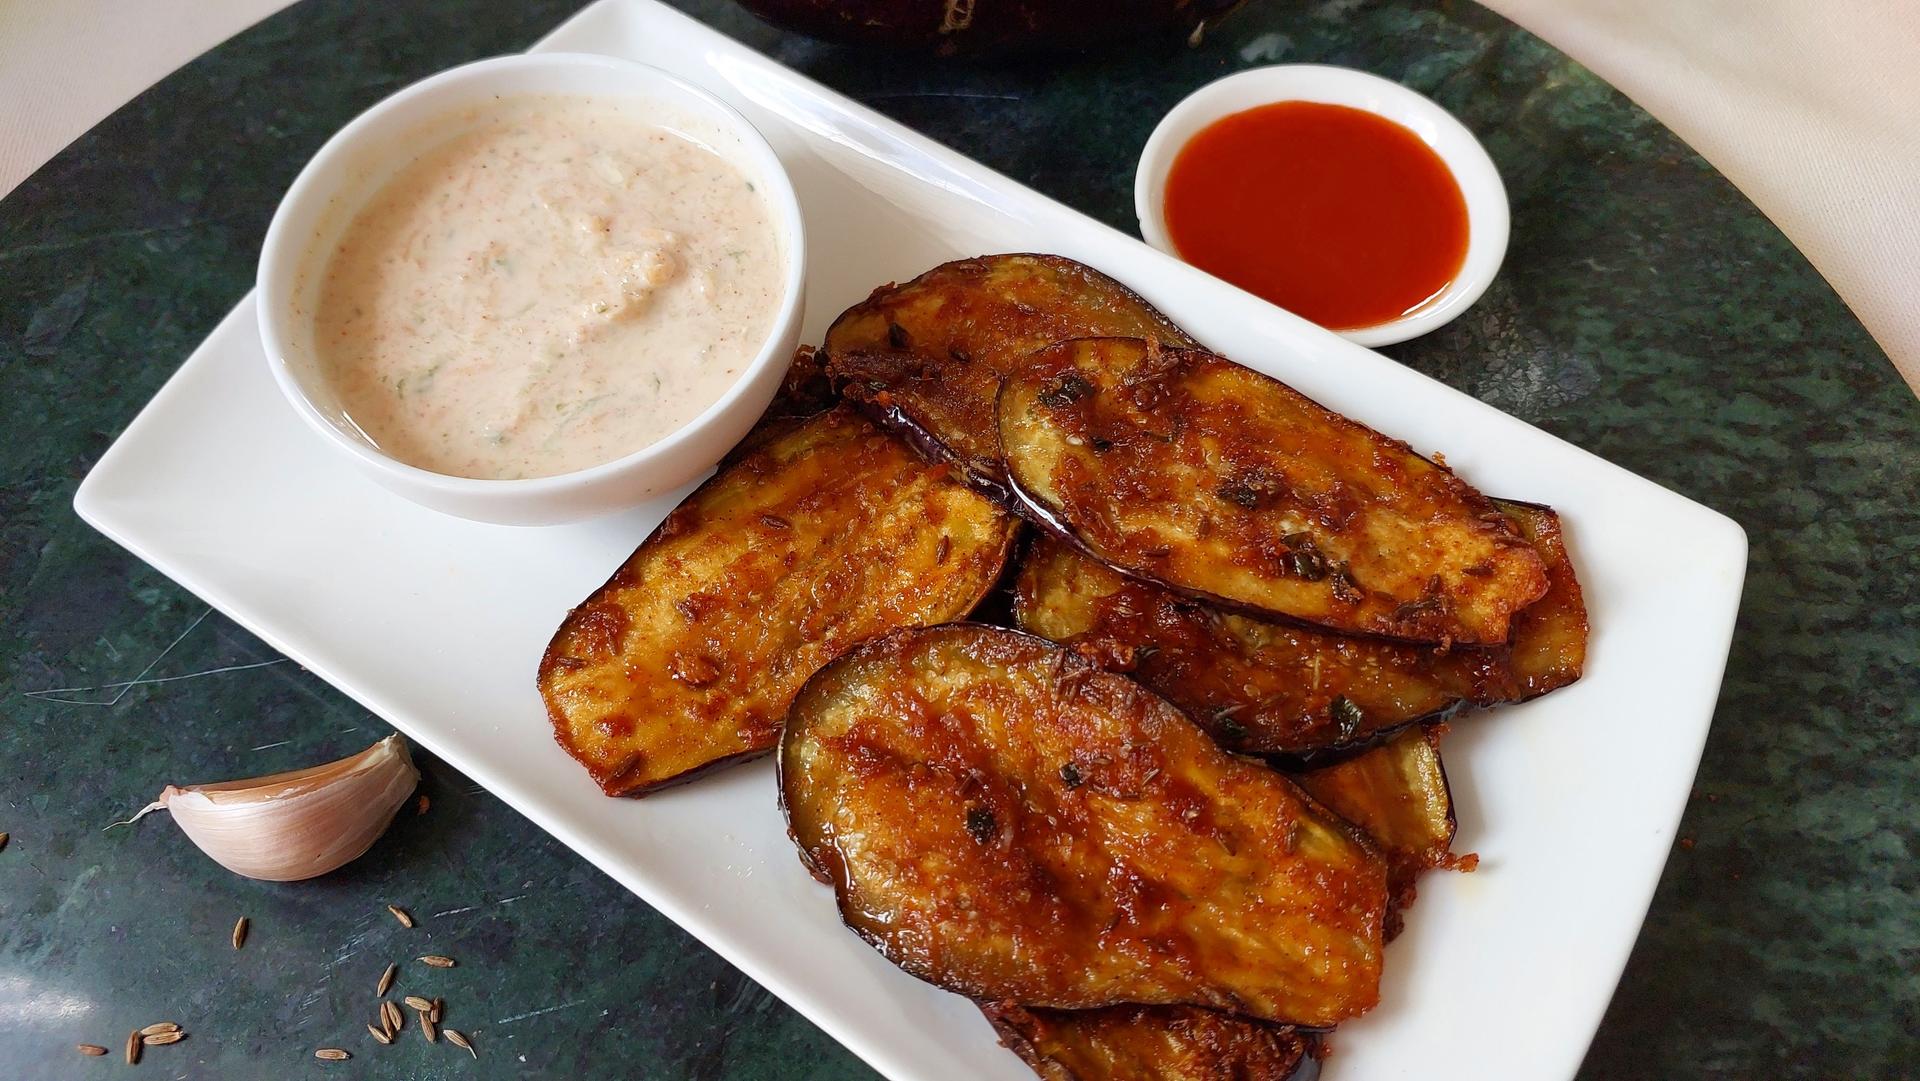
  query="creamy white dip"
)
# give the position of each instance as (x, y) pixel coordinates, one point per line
(560, 284)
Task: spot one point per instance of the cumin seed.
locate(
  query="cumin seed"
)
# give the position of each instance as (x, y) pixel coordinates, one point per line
(380, 1035)
(386, 981)
(424, 1005)
(391, 1017)
(457, 1040)
(401, 915)
(331, 1054)
(161, 1039)
(92, 1049)
(436, 961)
(240, 932)
(426, 1028)
(133, 1048)
(158, 1027)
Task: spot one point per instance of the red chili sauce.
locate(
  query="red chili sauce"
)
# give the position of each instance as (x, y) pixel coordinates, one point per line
(1336, 214)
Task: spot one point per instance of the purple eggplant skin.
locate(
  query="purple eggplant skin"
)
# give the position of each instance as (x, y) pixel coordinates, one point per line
(995, 28)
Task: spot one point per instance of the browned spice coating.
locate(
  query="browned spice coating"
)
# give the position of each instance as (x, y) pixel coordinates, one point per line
(1002, 819)
(1185, 468)
(927, 356)
(1263, 687)
(1397, 793)
(972, 28)
(827, 534)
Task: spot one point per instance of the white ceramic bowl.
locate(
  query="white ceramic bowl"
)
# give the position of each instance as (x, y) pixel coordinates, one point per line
(1486, 196)
(364, 154)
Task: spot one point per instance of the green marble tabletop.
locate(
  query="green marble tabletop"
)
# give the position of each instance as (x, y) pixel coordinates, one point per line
(1647, 312)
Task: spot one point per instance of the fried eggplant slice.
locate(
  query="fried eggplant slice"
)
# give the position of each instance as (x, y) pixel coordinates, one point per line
(1001, 818)
(927, 357)
(1397, 794)
(1272, 688)
(1549, 647)
(1256, 687)
(1181, 467)
(831, 532)
(1147, 1043)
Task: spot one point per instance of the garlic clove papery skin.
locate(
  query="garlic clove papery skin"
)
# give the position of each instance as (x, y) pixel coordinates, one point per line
(288, 826)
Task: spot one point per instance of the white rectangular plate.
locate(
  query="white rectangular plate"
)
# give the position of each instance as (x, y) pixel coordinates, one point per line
(437, 624)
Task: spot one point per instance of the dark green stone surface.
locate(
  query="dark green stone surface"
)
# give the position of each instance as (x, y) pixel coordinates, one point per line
(1646, 312)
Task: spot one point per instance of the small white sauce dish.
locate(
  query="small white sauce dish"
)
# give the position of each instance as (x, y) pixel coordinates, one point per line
(362, 156)
(1488, 220)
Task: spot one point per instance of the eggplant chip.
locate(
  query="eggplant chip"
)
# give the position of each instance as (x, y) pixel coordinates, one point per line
(942, 406)
(1397, 793)
(994, 310)
(1549, 647)
(828, 533)
(1271, 688)
(927, 357)
(1256, 687)
(1181, 467)
(1148, 1043)
(1002, 819)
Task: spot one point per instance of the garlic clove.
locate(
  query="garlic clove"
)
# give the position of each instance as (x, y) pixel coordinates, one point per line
(288, 826)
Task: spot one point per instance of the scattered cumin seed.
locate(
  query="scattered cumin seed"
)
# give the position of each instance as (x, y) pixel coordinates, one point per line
(391, 1017)
(386, 981)
(161, 1039)
(240, 932)
(436, 961)
(92, 1049)
(424, 1005)
(332, 1054)
(133, 1048)
(380, 1034)
(457, 1040)
(426, 1028)
(438, 1005)
(401, 915)
(158, 1027)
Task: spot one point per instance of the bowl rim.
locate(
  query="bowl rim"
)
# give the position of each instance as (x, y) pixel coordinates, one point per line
(281, 258)
(1489, 213)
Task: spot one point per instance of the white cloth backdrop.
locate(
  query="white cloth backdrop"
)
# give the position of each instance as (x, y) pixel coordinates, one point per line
(66, 64)
(1812, 107)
